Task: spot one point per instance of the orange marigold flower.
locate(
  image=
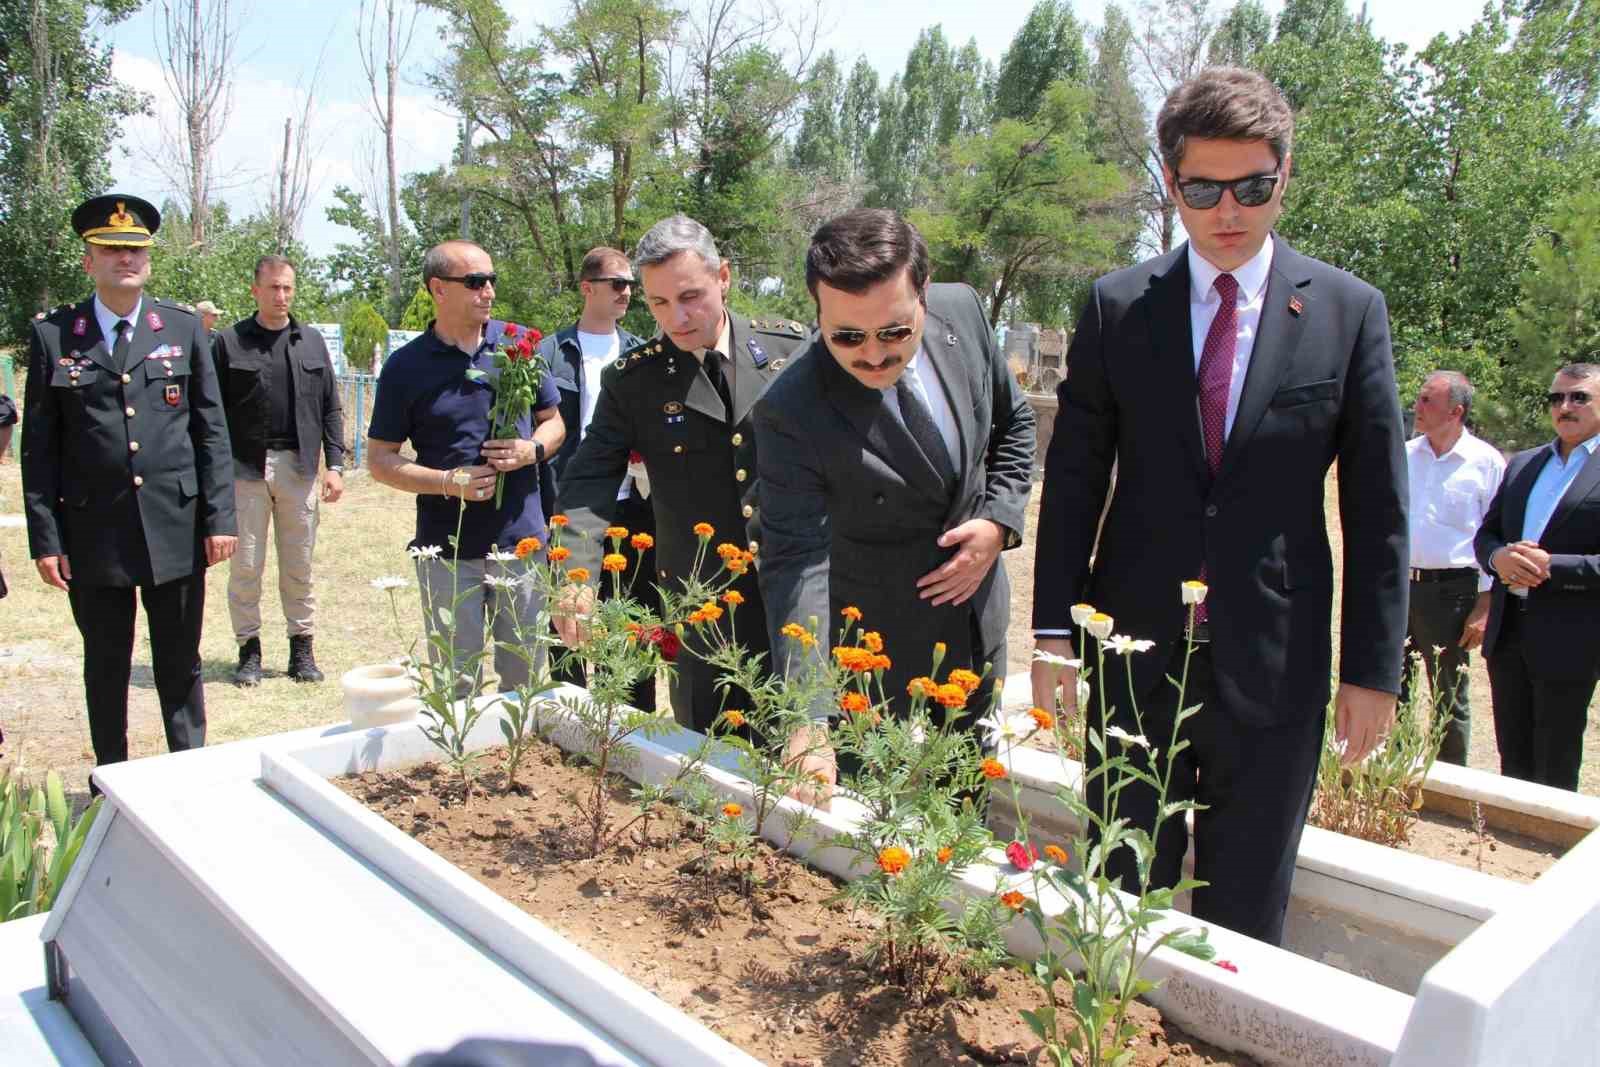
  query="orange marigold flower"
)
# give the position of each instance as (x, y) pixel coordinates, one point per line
(922, 687)
(1042, 718)
(854, 659)
(951, 696)
(872, 641)
(733, 717)
(854, 703)
(893, 859)
(944, 854)
(1056, 854)
(704, 530)
(965, 679)
(1013, 900)
(851, 612)
(732, 810)
(728, 551)
(616, 533)
(993, 769)
(614, 562)
(797, 632)
(694, 618)
(578, 574)
(527, 547)
(880, 663)
(559, 553)
(710, 610)
(642, 542)
(559, 520)
(733, 598)
(738, 567)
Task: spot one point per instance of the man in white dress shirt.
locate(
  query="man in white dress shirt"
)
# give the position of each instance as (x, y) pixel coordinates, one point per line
(1454, 476)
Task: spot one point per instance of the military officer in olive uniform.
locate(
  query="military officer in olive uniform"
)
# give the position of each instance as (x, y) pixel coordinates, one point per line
(127, 476)
(683, 401)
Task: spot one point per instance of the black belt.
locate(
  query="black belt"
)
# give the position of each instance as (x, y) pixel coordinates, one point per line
(1441, 574)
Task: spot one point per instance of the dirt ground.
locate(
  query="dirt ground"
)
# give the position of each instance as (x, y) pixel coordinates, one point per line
(780, 973)
(362, 537)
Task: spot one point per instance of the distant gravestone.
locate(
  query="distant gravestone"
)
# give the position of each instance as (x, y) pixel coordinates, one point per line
(398, 338)
(333, 335)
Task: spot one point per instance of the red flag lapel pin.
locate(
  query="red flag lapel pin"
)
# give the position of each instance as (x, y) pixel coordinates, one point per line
(154, 320)
(1296, 306)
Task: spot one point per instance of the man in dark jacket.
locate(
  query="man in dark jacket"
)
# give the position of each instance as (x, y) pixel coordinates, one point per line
(126, 474)
(284, 417)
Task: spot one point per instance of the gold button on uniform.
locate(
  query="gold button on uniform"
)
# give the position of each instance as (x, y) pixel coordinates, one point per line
(133, 446)
(128, 412)
(138, 480)
(739, 475)
(126, 378)
(749, 511)
(738, 439)
(677, 448)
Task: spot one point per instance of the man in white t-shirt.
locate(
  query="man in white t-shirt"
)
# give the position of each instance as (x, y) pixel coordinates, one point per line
(576, 356)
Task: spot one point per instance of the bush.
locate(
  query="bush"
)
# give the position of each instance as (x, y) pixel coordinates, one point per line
(418, 313)
(364, 328)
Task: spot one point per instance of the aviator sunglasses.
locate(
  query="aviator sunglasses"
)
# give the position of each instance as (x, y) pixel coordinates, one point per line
(472, 281)
(617, 284)
(1203, 193)
(889, 335)
(1578, 397)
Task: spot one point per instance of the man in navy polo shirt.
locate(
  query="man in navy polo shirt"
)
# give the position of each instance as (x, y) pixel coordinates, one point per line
(426, 397)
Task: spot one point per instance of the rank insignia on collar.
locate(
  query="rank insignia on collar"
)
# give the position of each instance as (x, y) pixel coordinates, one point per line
(672, 407)
(1295, 306)
(777, 364)
(154, 320)
(757, 353)
(174, 394)
(80, 326)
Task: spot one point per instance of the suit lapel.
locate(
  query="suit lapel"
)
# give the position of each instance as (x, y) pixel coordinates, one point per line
(864, 410)
(145, 339)
(91, 344)
(1516, 496)
(1167, 307)
(1277, 337)
(1587, 481)
(947, 353)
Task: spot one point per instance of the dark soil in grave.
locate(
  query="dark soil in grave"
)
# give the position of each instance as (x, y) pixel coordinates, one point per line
(781, 976)
(1503, 853)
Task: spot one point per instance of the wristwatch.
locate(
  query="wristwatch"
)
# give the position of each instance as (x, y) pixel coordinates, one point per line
(538, 451)
(336, 470)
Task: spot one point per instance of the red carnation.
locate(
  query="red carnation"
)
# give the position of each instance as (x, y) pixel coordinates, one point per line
(1022, 856)
(666, 641)
(635, 456)
(534, 334)
(510, 330)
(525, 347)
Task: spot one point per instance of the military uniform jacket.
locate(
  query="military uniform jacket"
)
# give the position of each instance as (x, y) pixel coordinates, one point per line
(125, 470)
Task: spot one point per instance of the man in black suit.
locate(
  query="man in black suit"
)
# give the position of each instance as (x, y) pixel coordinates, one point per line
(127, 474)
(577, 356)
(896, 455)
(1541, 538)
(1223, 379)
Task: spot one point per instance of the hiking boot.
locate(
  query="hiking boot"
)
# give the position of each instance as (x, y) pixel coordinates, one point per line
(302, 664)
(248, 672)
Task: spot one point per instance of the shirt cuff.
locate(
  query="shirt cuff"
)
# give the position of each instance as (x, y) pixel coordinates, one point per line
(1485, 582)
(1052, 633)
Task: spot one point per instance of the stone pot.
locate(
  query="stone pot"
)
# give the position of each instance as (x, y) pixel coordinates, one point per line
(379, 694)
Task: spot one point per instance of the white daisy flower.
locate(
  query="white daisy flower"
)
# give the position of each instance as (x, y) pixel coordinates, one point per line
(424, 551)
(389, 581)
(1005, 731)
(1055, 660)
(1081, 613)
(1099, 625)
(1193, 592)
(1126, 738)
(1122, 644)
(499, 555)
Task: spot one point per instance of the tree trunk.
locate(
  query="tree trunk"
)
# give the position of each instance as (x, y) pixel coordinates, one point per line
(392, 72)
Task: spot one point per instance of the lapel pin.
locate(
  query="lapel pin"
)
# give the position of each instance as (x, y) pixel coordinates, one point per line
(777, 364)
(154, 320)
(950, 339)
(1295, 306)
(80, 326)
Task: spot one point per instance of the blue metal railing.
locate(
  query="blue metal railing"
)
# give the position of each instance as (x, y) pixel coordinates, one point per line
(355, 395)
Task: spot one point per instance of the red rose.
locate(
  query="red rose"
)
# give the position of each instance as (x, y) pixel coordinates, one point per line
(666, 641)
(510, 330)
(635, 456)
(1022, 856)
(525, 347)
(535, 334)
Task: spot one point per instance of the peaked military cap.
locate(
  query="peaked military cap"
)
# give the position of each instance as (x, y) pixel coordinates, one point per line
(117, 219)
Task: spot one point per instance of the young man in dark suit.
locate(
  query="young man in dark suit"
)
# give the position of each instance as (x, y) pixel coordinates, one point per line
(1222, 380)
(896, 455)
(127, 474)
(1541, 538)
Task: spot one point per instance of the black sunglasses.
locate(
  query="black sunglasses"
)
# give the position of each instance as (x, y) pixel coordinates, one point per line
(617, 284)
(1578, 397)
(472, 281)
(1203, 193)
(889, 335)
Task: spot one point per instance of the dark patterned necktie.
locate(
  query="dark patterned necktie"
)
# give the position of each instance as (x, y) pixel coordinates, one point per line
(719, 382)
(1215, 380)
(124, 341)
(919, 420)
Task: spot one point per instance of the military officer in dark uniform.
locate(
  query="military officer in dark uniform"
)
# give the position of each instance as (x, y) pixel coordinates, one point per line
(127, 476)
(683, 401)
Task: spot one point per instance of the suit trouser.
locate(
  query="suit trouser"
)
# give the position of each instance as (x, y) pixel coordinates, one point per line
(1437, 615)
(1538, 721)
(288, 500)
(173, 612)
(1255, 782)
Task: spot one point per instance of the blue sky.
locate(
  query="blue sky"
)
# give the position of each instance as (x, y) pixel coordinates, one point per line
(284, 41)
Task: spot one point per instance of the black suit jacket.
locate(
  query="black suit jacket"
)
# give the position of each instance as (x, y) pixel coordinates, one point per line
(125, 471)
(1562, 625)
(852, 510)
(1319, 386)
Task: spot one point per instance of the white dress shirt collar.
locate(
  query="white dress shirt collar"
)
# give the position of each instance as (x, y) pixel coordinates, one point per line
(1251, 276)
(106, 319)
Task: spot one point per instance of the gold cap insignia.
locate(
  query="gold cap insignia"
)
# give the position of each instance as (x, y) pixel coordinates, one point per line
(120, 217)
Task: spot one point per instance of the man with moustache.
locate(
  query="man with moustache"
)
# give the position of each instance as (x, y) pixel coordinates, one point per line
(683, 402)
(1541, 537)
(1222, 380)
(126, 474)
(896, 456)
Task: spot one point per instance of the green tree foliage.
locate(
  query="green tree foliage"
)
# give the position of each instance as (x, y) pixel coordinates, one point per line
(858, 113)
(941, 96)
(1047, 48)
(419, 312)
(1241, 35)
(364, 329)
(820, 147)
(1557, 320)
(60, 110)
(221, 271)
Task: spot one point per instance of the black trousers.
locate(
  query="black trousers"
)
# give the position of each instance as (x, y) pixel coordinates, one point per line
(1438, 612)
(1538, 721)
(1255, 782)
(173, 612)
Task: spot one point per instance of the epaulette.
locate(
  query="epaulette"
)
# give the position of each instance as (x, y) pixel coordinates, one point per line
(781, 327)
(187, 309)
(638, 354)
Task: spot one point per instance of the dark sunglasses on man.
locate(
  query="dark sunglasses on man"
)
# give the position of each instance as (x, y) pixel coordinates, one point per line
(1204, 193)
(889, 335)
(617, 284)
(1578, 397)
(473, 281)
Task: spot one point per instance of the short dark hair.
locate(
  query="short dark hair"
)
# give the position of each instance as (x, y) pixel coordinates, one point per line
(272, 260)
(1580, 370)
(1461, 391)
(595, 260)
(861, 248)
(1224, 104)
(439, 260)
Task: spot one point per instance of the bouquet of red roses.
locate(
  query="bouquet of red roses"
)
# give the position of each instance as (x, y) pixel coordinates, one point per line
(518, 372)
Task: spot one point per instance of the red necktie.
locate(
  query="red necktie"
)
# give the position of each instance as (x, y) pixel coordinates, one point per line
(1215, 378)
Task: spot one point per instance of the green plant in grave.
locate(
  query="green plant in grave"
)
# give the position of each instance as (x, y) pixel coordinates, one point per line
(1378, 798)
(1096, 948)
(39, 842)
(522, 721)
